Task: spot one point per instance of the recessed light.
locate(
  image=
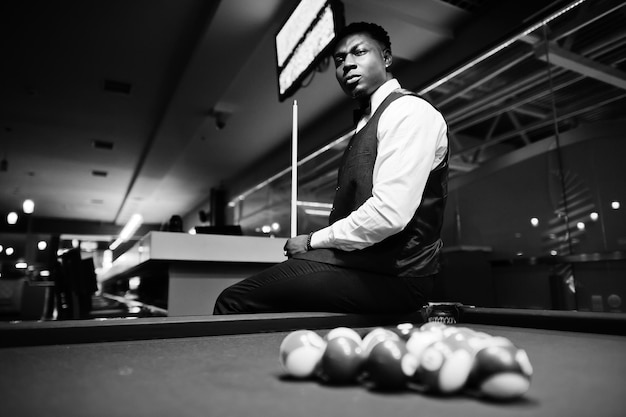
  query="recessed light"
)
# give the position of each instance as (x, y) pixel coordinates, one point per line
(102, 144)
(118, 87)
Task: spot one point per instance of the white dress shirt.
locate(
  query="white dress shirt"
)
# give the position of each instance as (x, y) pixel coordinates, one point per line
(412, 141)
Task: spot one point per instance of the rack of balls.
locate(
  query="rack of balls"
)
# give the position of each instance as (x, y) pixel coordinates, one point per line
(433, 357)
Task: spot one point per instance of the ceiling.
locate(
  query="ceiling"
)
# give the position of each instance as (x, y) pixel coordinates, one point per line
(110, 107)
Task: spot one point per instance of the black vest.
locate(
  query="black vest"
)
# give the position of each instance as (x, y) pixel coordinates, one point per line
(413, 252)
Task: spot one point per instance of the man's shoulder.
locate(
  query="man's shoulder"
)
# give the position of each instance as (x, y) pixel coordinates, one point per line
(404, 91)
(402, 97)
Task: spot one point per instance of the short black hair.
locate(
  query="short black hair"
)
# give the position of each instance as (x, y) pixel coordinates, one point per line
(375, 31)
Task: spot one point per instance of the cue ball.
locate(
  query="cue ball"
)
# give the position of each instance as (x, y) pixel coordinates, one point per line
(300, 353)
(502, 372)
(389, 365)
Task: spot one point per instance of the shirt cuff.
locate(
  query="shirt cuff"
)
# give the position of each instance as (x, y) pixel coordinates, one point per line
(321, 239)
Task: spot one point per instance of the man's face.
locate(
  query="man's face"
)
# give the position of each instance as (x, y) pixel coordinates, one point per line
(360, 65)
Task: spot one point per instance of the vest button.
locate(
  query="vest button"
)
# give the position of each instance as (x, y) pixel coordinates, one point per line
(337, 188)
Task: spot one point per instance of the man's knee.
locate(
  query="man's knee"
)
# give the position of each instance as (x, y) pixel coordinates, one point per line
(226, 303)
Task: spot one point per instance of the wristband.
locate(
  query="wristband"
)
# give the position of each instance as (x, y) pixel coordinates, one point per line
(308, 242)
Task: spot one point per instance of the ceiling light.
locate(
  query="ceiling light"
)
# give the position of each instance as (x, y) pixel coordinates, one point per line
(102, 144)
(317, 212)
(28, 206)
(128, 231)
(119, 87)
(12, 217)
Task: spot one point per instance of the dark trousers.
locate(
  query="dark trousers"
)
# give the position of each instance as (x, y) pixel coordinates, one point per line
(302, 285)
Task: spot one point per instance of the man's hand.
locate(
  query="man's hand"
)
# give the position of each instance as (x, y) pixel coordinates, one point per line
(295, 245)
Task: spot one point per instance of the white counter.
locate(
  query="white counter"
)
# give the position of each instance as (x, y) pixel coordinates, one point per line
(199, 267)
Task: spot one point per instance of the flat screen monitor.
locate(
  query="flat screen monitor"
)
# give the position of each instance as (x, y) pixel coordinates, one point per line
(303, 40)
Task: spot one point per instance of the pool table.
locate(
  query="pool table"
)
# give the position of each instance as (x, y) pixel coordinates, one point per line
(228, 366)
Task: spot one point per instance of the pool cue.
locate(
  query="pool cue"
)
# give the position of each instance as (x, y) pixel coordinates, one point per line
(294, 170)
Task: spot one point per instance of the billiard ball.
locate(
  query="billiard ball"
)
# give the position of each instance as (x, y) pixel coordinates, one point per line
(433, 326)
(300, 353)
(376, 336)
(344, 331)
(443, 368)
(341, 361)
(419, 341)
(480, 340)
(389, 365)
(501, 372)
(404, 330)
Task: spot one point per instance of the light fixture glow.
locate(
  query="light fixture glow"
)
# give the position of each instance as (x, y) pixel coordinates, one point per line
(615, 205)
(9, 251)
(316, 212)
(131, 227)
(21, 265)
(42, 245)
(534, 221)
(315, 204)
(128, 231)
(28, 206)
(133, 283)
(594, 216)
(12, 217)
(107, 259)
(115, 243)
(580, 226)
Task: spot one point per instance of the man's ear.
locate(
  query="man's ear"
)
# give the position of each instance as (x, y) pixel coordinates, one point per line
(387, 58)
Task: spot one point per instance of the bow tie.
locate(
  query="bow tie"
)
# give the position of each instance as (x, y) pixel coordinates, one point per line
(357, 114)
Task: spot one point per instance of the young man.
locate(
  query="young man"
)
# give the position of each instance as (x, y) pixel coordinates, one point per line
(381, 250)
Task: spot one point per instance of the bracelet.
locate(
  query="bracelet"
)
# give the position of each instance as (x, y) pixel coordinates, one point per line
(308, 242)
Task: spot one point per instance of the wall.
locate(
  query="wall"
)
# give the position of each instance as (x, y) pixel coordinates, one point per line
(494, 209)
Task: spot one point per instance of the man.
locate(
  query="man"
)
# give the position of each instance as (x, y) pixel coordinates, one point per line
(381, 250)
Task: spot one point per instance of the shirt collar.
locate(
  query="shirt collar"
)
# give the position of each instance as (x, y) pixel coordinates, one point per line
(382, 92)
